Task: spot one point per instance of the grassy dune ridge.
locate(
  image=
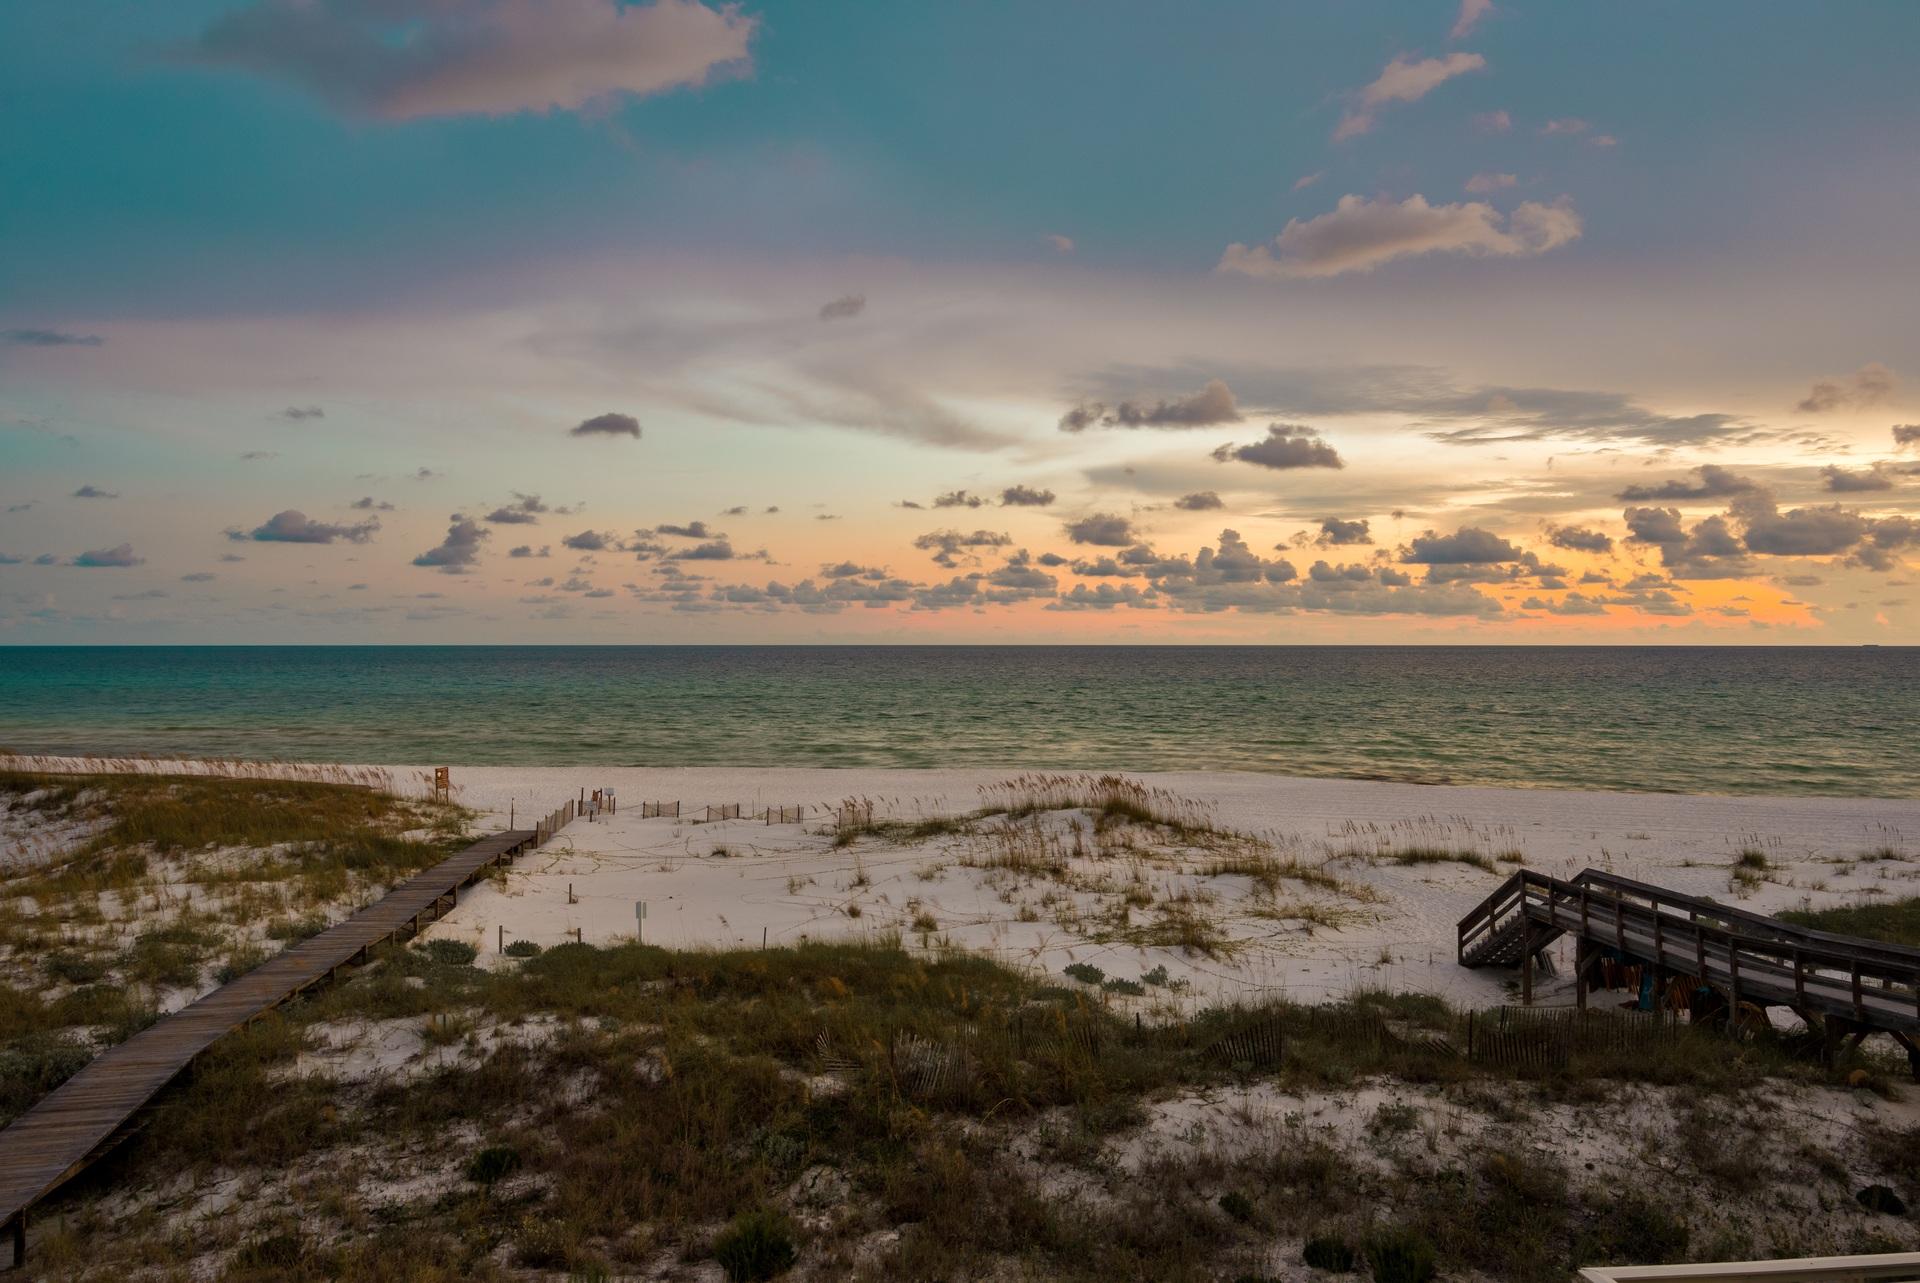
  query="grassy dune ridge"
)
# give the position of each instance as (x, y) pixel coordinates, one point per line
(125, 894)
(880, 1113)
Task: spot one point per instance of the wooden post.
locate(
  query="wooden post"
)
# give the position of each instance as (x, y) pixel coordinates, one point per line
(20, 1240)
(1580, 959)
(1526, 968)
(500, 946)
(1733, 988)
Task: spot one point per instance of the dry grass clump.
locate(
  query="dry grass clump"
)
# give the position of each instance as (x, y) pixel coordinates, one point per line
(1269, 873)
(1112, 800)
(220, 768)
(1429, 840)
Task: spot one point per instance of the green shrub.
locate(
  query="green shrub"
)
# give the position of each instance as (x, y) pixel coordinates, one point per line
(32, 1066)
(1329, 1252)
(272, 1251)
(238, 963)
(295, 930)
(1401, 1256)
(1086, 973)
(1633, 1230)
(522, 949)
(1157, 977)
(755, 1245)
(74, 968)
(493, 1164)
(1131, 988)
(450, 953)
(1237, 1205)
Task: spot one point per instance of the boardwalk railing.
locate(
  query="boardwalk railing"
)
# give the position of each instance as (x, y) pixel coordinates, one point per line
(1849, 985)
(1890, 1267)
(86, 1115)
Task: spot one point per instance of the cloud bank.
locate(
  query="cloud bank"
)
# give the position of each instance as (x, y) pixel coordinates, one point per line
(404, 59)
(1358, 235)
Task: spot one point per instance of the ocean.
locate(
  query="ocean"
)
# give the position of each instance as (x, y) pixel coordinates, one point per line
(1791, 721)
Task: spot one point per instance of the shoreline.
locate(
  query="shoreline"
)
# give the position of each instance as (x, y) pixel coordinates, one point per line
(317, 768)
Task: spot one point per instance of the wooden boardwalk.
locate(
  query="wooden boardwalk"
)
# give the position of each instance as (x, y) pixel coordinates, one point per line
(1842, 986)
(88, 1113)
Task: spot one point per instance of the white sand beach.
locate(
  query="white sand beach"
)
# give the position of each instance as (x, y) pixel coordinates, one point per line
(1381, 923)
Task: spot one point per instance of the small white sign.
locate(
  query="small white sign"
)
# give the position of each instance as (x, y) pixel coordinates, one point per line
(640, 910)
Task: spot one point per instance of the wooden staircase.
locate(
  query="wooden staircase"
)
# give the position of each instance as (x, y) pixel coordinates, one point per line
(1844, 987)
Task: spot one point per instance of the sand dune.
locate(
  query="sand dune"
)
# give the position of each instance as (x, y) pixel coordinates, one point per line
(730, 882)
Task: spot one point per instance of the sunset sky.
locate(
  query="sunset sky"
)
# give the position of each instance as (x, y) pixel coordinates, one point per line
(1247, 321)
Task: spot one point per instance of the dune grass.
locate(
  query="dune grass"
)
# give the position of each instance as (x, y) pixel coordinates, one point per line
(684, 1096)
(1891, 921)
(173, 883)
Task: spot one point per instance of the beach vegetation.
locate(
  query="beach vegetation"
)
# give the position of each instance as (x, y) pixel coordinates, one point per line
(130, 890)
(448, 953)
(1418, 855)
(756, 1245)
(1401, 1255)
(1889, 921)
(682, 1103)
(493, 1164)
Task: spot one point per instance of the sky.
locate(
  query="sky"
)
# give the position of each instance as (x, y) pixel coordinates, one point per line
(1446, 321)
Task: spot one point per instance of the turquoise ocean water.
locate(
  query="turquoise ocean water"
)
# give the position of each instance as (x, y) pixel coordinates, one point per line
(1827, 721)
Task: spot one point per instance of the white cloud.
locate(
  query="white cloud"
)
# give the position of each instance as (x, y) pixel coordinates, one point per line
(1493, 122)
(403, 59)
(1471, 11)
(1480, 184)
(1359, 234)
(1403, 80)
(1305, 181)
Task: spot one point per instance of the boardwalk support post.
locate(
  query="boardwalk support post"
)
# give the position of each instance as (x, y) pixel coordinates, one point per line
(1912, 1045)
(1526, 970)
(19, 1228)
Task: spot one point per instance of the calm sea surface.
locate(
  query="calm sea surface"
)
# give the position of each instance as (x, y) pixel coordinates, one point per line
(1843, 722)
